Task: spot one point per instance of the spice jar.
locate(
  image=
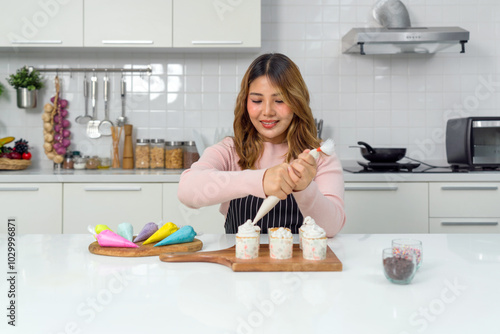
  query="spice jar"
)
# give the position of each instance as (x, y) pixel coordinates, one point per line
(142, 153)
(174, 155)
(157, 153)
(68, 161)
(79, 162)
(104, 163)
(92, 162)
(190, 154)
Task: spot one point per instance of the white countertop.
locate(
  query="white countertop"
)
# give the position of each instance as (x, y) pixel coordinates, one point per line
(62, 288)
(49, 175)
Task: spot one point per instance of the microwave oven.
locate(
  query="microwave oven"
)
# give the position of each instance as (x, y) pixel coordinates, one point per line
(473, 142)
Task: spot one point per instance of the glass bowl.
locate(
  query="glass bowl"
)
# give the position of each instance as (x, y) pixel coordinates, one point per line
(399, 269)
(406, 246)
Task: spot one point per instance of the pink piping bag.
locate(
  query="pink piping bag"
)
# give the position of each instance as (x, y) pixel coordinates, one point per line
(108, 238)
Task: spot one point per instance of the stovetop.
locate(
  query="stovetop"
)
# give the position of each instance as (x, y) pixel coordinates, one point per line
(399, 167)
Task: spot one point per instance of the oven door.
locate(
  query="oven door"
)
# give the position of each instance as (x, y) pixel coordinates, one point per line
(485, 141)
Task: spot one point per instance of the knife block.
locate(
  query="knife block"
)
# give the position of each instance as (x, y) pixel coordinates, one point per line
(128, 149)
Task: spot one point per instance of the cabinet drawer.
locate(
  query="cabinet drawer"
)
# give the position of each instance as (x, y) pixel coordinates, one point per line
(111, 204)
(380, 207)
(464, 199)
(37, 207)
(464, 225)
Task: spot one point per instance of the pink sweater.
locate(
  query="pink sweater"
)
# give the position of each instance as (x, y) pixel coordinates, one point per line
(217, 178)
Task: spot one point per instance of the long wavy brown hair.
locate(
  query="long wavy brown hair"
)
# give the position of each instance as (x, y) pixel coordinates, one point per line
(285, 76)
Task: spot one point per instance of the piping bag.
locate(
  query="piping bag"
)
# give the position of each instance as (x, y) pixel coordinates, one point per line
(328, 147)
(108, 238)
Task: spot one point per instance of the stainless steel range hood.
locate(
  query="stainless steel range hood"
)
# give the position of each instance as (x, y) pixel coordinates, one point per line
(397, 35)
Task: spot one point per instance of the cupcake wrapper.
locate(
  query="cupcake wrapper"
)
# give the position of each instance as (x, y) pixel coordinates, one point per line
(314, 249)
(247, 247)
(280, 249)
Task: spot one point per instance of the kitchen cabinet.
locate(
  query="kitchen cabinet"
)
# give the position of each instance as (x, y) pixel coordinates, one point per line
(36, 207)
(464, 207)
(379, 207)
(41, 23)
(219, 23)
(130, 23)
(111, 204)
(204, 220)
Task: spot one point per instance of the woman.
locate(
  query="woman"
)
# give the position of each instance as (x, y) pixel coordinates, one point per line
(273, 132)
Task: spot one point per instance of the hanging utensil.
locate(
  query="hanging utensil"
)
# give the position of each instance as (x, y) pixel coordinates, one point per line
(93, 125)
(106, 124)
(85, 119)
(320, 128)
(122, 119)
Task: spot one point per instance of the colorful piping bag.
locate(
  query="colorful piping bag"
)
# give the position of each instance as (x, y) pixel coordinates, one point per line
(126, 230)
(148, 230)
(108, 238)
(162, 233)
(184, 234)
(101, 227)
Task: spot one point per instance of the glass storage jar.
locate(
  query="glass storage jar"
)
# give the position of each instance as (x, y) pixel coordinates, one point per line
(174, 155)
(142, 153)
(190, 154)
(92, 162)
(104, 163)
(68, 161)
(157, 153)
(79, 162)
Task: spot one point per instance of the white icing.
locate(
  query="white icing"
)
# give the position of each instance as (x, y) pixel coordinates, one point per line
(247, 230)
(308, 223)
(282, 233)
(314, 231)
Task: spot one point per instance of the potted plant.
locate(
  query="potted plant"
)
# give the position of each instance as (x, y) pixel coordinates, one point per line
(26, 81)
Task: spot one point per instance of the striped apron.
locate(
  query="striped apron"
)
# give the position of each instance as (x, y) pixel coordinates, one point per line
(285, 214)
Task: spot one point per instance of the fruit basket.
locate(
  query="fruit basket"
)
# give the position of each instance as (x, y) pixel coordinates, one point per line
(14, 164)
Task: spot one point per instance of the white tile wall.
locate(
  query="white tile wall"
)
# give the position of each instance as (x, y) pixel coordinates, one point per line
(400, 100)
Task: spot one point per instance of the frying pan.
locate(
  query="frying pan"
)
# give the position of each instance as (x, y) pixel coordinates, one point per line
(381, 154)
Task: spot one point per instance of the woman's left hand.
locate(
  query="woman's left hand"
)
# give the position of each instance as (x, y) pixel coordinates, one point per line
(302, 170)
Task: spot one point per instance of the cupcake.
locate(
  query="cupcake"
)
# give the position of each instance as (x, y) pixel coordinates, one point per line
(308, 222)
(314, 243)
(280, 243)
(247, 241)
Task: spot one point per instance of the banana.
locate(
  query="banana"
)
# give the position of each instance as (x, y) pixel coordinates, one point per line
(6, 140)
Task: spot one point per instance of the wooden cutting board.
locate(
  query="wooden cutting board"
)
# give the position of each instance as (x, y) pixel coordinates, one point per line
(264, 262)
(145, 250)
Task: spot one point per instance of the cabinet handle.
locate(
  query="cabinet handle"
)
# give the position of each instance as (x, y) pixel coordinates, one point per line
(365, 188)
(469, 223)
(56, 41)
(113, 41)
(216, 42)
(469, 188)
(113, 188)
(19, 188)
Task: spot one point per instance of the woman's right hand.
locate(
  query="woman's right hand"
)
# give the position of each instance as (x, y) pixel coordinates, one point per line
(277, 181)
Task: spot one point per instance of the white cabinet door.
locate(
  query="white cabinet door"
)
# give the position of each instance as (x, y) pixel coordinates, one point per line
(111, 204)
(204, 220)
(386, 208)
(465, 199)
(217, 23)
(131, 23)
(36, 207)
(41, 23)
